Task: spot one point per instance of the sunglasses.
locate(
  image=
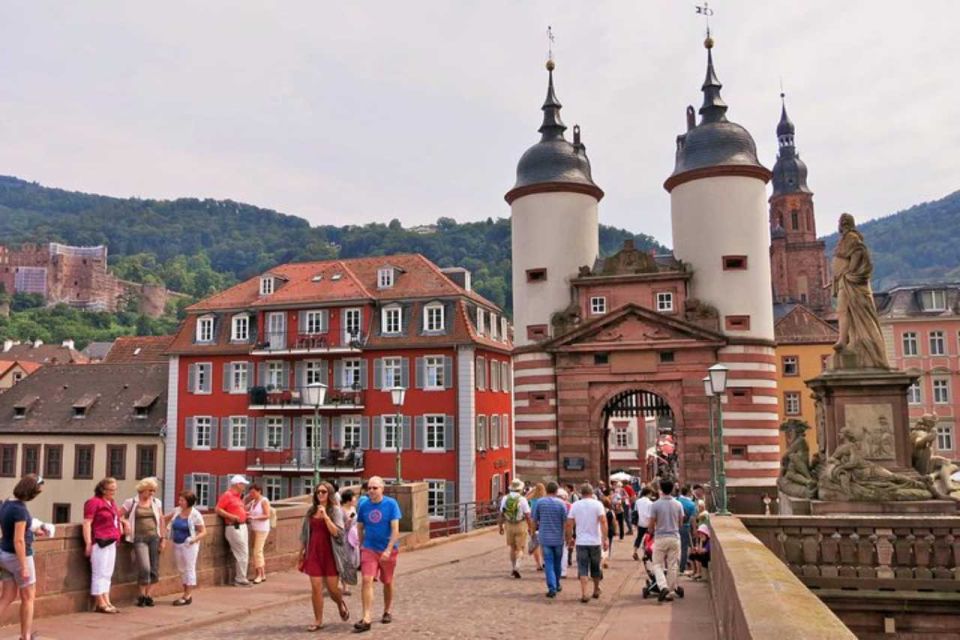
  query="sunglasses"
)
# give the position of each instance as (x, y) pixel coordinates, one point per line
(374, 487)
(319, 491)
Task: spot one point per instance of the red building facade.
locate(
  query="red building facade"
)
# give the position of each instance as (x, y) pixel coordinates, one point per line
(244, 359)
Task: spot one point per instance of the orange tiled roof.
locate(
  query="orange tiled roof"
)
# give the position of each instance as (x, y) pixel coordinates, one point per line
(138, 349)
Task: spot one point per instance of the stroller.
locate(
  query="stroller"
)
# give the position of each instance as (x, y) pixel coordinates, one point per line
(651, 588)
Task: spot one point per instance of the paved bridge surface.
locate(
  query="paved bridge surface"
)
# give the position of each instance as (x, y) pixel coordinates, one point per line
(456, 589)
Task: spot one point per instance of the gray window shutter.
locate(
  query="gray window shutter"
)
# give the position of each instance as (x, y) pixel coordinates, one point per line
(227, 370)
(325, 372)
(448, 311)
(214, 431)
(377, 440)
(225, 427)
(247, 438)
(298, 439)
(629, 438)
(364, 383)
(285, 433)
(212, 490)
(191, 378)
(419, 435)
(324, 435)
(301, 374)
(338, 374)
(449, 429)
(336, 441)
(188, 433)
(261, 433)
(406, 435)
(296, 486)
(505, 430)
(407, 320)
(284, 490)
(448, 372)
(251, 375)
(223, 485)
(253, 329)
(481, 373)
(505, 381)
(365, 433)
(378, 373)
(324, 320)
(188, 483)
(208, 379)
(285, 375)
(450, 495)
(421, 376)
(262, 374)
(405, 373)
(302, 322)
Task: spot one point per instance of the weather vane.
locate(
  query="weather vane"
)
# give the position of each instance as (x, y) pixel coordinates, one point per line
(706, 12)
(549, 43)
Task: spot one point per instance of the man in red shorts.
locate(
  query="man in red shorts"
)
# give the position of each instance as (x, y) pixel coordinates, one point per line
(378, 527)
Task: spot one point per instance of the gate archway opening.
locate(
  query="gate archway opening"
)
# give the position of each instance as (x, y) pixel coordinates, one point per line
(655, 436)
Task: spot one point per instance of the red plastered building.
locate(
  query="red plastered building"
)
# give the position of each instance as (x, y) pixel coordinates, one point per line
(244, 360)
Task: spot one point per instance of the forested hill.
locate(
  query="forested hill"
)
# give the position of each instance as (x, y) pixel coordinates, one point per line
(918, 244)
(200, 246)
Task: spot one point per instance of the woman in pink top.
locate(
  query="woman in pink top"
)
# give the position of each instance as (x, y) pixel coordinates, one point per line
(101, 532)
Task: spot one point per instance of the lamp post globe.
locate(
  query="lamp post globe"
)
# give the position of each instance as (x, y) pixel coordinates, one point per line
(315, 394)
(397, 395)
(718, 378)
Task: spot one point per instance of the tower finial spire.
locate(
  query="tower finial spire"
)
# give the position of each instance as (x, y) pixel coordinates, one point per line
(552, 126)
(713, 108)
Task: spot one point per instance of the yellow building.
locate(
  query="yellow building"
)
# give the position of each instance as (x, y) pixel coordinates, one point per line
(13, 371)
(804, 342)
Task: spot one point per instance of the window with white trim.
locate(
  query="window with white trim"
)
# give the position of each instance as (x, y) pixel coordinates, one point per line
(505, 376)
(914, 395)
(392, 320)
(351, 322)
(313, 372)
(934, 300)
(941, 391)
(203, 378)
(266, 285)
(271, 488)
(238, 432)
(350, 432)
(494, 432)
(201, 488)
(392, 373)
(239, 377)
(791, 403)
(481, 434)
(390, 433)
(909, 343)
(312, 433)
(385, 278)
(435, 432)
(945, 437)
(504, 329)
(937, 343)
(434, 368)
(351, 373)
(314, 322)
(621, 437)
(202, 432)
(275, 375)
(665, 301)
(205, 329)
(494, 375)
(481, 373)
(240, 328)
(274, 438)
(493, 326)
(433, 317)
(598, 305)
(436, 497)
(481, 316)
(790, 365)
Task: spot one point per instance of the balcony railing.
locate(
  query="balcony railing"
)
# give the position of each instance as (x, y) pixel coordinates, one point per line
(293, 398)
(285, 341)
(302, 460)
(449, 519)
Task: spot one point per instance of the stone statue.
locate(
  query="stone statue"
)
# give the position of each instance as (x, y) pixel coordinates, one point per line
(937, 469)
(860, 344)
(847, 475)
(797, 477)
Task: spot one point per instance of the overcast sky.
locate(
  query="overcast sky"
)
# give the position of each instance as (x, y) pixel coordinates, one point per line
(367, 111)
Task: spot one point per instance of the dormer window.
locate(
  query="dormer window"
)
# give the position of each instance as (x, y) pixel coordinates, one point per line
(493, 325)
(205, 329)
(934, 300)
(267, 285)
(240, 328)
(141, 408)
(433, 319)
(82, 406)
(481, 317)
(392, 320)
(79, 412)
(385, 278)
(20, 412)
(23, 407)
(504, 330)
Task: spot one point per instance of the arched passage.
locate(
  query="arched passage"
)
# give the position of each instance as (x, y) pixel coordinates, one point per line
(638, 420)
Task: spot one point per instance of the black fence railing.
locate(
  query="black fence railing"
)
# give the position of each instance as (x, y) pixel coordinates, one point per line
(302, 460)
(461, 517)
(287, 340)
(297, 397)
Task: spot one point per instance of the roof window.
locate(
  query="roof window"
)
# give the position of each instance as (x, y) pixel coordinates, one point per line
(267, 285)
(933, 300)
(385, 277)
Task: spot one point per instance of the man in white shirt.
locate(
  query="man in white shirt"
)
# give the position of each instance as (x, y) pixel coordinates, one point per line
(642, 506)
(514, 521)
(588, 517)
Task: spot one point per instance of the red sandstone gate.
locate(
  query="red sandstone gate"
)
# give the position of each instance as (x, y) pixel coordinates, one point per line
(655, 440)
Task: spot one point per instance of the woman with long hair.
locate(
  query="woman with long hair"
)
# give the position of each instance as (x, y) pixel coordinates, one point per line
(538, 491)
(101, 532)
(186, 529)
(258, 518)
(16, 551)
(321, 524)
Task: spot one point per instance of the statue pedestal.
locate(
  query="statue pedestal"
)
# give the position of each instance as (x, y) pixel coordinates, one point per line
(901, 508)
(872, 402)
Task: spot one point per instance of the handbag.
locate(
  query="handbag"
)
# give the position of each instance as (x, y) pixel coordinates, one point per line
(343, 557)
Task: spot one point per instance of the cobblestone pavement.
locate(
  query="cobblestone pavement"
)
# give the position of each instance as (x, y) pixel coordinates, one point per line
(471, 595)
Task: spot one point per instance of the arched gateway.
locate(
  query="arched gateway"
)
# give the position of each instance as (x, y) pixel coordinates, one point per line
(639, 436)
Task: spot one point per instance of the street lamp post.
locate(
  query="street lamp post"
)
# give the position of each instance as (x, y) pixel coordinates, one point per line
(718, 384)
(315, 394)
(397, 394)
(708, 392)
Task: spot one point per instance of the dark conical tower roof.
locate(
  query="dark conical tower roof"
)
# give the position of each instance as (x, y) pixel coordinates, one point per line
(789, 172)
(554, 163)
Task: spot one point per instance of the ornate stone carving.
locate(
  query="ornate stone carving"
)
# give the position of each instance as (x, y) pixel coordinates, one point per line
(860, 345)
(797, 478)
(937, 469)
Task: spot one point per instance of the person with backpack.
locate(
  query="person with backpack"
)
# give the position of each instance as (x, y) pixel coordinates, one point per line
(513, 519)
(261, 518)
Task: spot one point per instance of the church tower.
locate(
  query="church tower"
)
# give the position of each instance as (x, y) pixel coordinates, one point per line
(797, 258)
(553, 220)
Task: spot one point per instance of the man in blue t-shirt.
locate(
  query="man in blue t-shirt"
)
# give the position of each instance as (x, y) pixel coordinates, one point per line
(686, 529)
(378, 528)
(550, 518)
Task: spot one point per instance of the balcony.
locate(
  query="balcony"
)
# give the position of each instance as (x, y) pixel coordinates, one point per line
(260, 461)
(271, 399)
(287, 343)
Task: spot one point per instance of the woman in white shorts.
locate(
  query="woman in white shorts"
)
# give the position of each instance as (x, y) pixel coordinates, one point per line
(16, 551)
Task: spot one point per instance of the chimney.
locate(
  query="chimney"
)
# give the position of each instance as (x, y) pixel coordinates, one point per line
(458, 276)
(37, 343)
(68, 344)
(7, 345)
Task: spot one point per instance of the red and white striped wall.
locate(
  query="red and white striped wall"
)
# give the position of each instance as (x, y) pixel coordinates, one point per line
(535, 415)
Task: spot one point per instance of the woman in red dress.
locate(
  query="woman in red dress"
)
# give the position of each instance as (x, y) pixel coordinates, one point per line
(322, 522)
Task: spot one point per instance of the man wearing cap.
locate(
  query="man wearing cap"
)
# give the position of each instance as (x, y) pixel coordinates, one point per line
(514, 520)
(230, 508)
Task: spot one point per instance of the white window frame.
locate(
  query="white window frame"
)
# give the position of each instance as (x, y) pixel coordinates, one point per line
(385, 278)
(203, 378)
(494, 375)
(481, 373)
(267, 285)
(504, 329)
(236, 378)
(434, 424)
(240, 327)
(938, 343)
(915, 393)
(945, 437)
(314, 322)
(201, 488)
(941, 391)
(481, 433)
(351, 370)
(664, 301)
(505, 377)
(493, 326)
(312, 430)
(910, 344)
(205, 329)
(393, 379)
(791, 400)
(352, 319)
(436, 498)
(598, 305)
(481, 320)
(236, 424)
(390, 424)
(433, 373)
(392, 320)
(275, 375)
(495, 432)
(433, 317)
(350, 432)
(313, 371)
(618, 442)
(795, 361)
(272, 488)
(203, 425)
(937, 298)
(274, 426)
